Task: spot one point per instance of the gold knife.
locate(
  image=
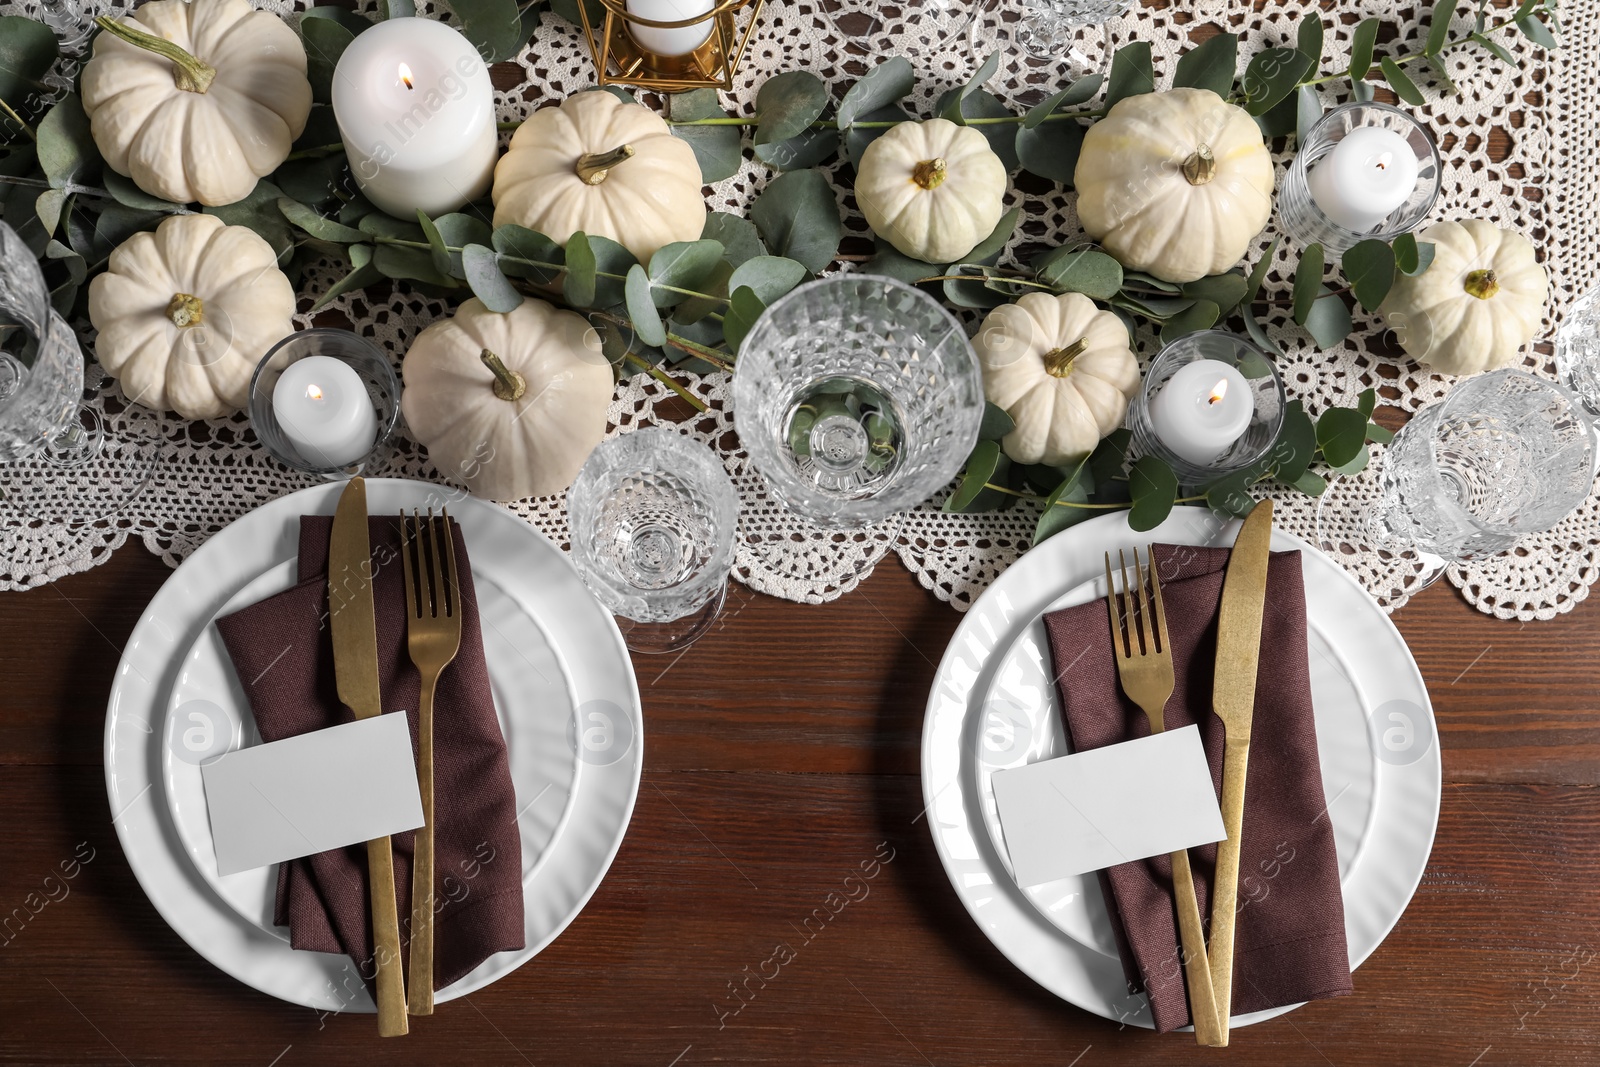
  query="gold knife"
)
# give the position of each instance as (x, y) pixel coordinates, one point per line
(355, 666)
(1244, 594)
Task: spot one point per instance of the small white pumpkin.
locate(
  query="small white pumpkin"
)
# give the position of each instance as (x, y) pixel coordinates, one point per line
(195, 101)
(932, 189)
(1480, 300)
(1175, 183)
(511, 404)
(1062, 369)
(187, 312)
(604, 166)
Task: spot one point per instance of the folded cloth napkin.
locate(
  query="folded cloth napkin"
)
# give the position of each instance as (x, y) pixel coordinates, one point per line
(1289, 943)
(282, 650)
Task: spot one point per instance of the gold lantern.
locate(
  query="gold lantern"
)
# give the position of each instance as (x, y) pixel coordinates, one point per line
(621, 60)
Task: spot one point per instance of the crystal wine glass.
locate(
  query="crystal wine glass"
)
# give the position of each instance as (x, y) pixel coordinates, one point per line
(653, 518)
(1069, 30)
(57, 464)
(1578, 351)
(856, 397)
(1505, 454)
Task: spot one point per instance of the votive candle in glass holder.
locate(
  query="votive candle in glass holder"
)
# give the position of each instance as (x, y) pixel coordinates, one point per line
(1212, 403)
(329, 407)
(1366, 170)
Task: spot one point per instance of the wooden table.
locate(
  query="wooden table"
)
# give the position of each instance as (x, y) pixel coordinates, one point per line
(781, 753)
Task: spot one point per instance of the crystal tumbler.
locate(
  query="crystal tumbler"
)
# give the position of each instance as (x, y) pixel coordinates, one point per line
(653, 519)
(856, 397)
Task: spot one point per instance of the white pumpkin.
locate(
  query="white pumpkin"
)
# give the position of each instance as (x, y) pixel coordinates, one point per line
(216, 109)
(1062, 369)
(1480, 300)
(1176, 184)
(187, 312)
(604, 166)
(511, 404)
(932, 189)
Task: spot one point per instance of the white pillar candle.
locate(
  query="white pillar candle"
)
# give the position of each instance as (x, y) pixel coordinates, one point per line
(1202, 410)
(416, 113)
(678, 42)
(325, 411)
(1365, 178)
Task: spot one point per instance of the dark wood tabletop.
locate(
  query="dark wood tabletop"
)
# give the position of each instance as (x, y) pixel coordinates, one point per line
(781, 752)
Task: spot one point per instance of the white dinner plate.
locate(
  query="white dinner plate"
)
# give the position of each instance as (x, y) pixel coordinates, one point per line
(563, 686)
(994, 706)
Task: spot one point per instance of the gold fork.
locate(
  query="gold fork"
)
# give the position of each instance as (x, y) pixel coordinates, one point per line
(1144, 666)
(433, 635)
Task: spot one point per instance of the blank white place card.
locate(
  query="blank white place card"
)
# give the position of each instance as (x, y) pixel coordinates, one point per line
(313, 792)
(1111, 805)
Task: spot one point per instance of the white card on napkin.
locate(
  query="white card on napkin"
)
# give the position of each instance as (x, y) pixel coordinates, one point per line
(1095, 809)
(307, 794)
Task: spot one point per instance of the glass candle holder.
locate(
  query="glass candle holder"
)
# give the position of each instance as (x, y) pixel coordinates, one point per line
(856, 397)
(1578, 350)
(1164, 427)
(330, 442)
(1336, 226)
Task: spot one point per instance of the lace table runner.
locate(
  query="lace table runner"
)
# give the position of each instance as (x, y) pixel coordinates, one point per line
(1543, 183)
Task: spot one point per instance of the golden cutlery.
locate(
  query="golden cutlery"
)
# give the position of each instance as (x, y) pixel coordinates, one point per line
(1144, 666)
(433, 635)
(1244, 594)
(355, 666)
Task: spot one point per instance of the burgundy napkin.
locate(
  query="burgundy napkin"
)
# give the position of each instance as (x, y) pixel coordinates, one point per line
(283, 653)
(1289, 941)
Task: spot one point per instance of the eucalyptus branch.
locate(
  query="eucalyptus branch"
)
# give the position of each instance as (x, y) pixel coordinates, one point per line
(665, 379)
(68, 187)
(18, 120)
(885, 124)
(1412, 57)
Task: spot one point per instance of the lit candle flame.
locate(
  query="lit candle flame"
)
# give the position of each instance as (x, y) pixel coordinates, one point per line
(1383, 161)
(405, 76)
(314, 392)
(1218, 391)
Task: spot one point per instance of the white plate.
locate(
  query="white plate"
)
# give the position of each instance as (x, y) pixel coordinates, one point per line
(993, 706)
(548, 625)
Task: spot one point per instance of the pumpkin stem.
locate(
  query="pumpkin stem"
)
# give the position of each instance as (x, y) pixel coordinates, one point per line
(1482, 284)
(1058, 364)
(189, 72)
(594, 166)
(1201, 166)
(929, 174)
(508, 384)
(185, 310)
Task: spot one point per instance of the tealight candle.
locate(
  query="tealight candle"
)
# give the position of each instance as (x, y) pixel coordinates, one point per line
(1202, 410)
(676, 42)
(325, 411)
(416, 113)
(1369, 174)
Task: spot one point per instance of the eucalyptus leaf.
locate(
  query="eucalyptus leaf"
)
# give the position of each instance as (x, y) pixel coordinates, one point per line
(1307, 111)
(1362, 40)
(398, 9)
(1311, 484)
(1106, 465)
(1307, 282)
(1158, 308)
(400, 263)
(716, 148)
(980, 469)
(967, 287)
(1258, 334)
(862, 134)
(313, 182)
(67, 152)
(579, 285)
(1369, 266)
(1051, 150)
(48, 208)
(516, 243)
(1087, 271)
(885, 84)
(1281, 119)
(1494, 48)
(1271, 76)
(809, 148)
(787, 104)
(982, 104)
(988, 250)
(436, 247)
(481, 266)
(1132, 73)
(1356, 465)
(125, 192)
(1308, 38)
(378, 224)
(1363, 91)
(325, 39)
(1149, 281)
(1407, 254)
(737, 235)
(65, 295)
(797, 217)
(493, 26)
(1201, 316)
(1379, 434)
(950, 105)
(457, 230)
(317, 226)
(1442, 74)
(1154, 488)
(744, 308)
(893, 263)
(1401, 83)
(1534, 29)
(1296, 445)
(1223, 290)
(612, 263)
(570, 11)
(1439, 25)
(715, 286)
(362, 274)
(1258, 273)
(28, 50)
(259, 211)
(345, 17)
(1211, 64)
(1077, 93)
(769, 277)
(682, 265)
(997, 422)
(642, 309)
(1059, 512)
(1230, 495)
(1367, 402)
(1329, 322)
